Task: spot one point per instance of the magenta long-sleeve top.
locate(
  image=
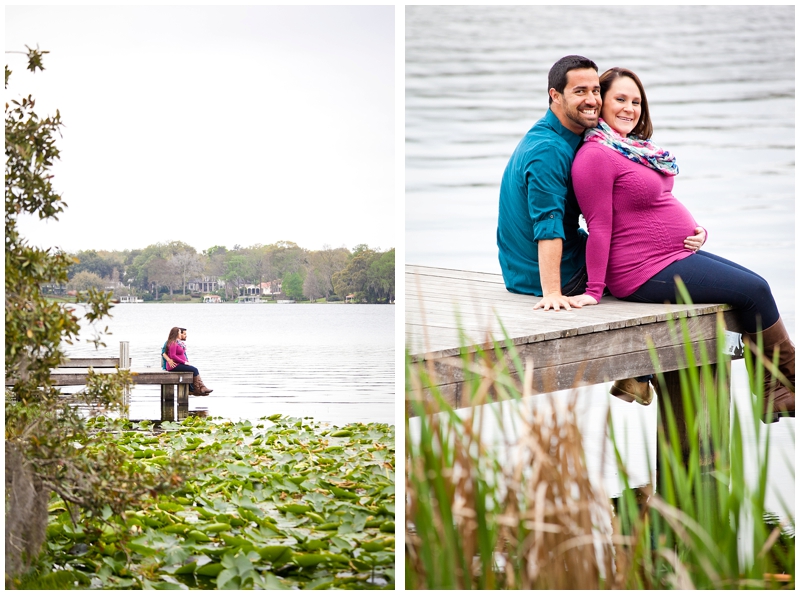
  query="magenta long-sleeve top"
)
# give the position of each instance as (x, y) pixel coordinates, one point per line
(175, 352)
(636, 227)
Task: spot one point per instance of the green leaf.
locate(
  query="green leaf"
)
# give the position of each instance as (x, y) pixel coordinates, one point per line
(187, 568)
(212, 569)
(269, 582)
(278, 555)
(228, 579)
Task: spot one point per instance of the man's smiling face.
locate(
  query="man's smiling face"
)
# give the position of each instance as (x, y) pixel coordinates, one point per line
(580, 103)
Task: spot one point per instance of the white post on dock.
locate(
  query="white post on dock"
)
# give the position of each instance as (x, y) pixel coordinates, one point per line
(125, 364)
(124, 356)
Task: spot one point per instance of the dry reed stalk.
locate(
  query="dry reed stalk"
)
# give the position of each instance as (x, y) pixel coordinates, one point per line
(560, 514)
(478, 518)
(546, 522)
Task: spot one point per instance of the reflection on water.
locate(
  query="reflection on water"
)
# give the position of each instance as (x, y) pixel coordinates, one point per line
(720, 83)
(334, 362)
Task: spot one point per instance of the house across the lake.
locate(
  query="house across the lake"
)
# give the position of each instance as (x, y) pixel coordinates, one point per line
(269, 288)
(205, 285)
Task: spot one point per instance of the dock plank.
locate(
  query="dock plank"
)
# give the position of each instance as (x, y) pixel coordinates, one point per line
(478, 311)
(90, 362)
(71, 377)
(451, 312)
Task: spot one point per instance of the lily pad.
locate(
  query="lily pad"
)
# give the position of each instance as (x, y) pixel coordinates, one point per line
(284, 503)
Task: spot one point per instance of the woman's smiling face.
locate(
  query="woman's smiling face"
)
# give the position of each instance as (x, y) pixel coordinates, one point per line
(622, 105)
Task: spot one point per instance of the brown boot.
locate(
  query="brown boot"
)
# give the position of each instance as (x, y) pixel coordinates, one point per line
(200, 387)
(193, 390)
(631, 389)
(775, 392)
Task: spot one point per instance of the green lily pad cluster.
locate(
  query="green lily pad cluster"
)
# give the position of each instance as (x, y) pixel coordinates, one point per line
(282, 503)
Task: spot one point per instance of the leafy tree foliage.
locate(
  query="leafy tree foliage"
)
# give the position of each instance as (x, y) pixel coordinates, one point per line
(101, 264)
(287, 257)
(369, 276)
(152, 269)
(34, 328)
(45, 439)
(313, 285)
(261, 263)
(168, 267)
(238, 271)
(185, 265)
(293, 286)
(84, 281)
(323, 265)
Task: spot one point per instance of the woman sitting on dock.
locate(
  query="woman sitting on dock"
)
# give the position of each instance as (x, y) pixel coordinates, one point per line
(638, 241)
(177, 362)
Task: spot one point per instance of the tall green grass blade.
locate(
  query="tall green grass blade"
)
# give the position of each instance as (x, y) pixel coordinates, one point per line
(476, 518)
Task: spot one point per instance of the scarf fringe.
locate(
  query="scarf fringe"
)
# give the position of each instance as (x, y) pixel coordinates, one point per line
(640, 151)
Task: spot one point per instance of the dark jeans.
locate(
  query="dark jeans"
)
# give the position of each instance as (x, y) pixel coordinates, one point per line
(186, 368)
(576, 285)
(711, 279)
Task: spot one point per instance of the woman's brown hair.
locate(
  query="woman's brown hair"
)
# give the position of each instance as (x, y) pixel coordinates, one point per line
(173, 335)
(644, 127)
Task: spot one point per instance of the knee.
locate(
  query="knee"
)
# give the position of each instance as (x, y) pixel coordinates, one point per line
(761, 292)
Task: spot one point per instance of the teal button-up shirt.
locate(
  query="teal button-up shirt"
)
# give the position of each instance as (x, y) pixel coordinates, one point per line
(537, 203)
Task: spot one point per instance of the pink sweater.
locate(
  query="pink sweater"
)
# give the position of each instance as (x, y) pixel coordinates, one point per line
(636, 226)
(175, 352)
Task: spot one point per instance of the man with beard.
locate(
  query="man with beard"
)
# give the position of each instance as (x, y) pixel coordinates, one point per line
(541, 246)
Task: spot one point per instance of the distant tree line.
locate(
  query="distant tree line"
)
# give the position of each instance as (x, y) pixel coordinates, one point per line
(331, 273)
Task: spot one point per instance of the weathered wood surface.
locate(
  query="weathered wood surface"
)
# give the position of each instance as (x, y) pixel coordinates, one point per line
(174, 385)
(67, 377)
(90, 362)
(590, 345)
(169, 394)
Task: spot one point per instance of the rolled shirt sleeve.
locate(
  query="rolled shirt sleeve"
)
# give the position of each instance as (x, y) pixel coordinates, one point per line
(548, 177)
(537, 203)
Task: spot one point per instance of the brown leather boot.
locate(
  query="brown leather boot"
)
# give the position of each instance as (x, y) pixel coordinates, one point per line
(775, 392)
(193, 388)
(631, 389)
(200, 387)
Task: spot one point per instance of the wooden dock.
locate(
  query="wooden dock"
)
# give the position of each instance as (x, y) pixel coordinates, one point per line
(174, 385)
(591, 345)
(73, 372)
(76, 376)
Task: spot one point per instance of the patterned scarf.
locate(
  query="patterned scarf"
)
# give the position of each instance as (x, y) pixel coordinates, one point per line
(634, 148)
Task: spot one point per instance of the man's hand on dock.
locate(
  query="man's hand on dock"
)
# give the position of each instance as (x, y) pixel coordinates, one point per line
(558, 301)
(554, 301)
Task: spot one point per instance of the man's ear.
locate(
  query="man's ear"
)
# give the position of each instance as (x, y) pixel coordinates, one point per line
(555, 95)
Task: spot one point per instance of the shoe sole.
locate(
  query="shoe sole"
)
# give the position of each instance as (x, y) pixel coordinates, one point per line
(629, 398)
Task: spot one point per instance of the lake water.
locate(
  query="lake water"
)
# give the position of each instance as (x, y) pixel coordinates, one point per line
(332, 362)
(720, 83)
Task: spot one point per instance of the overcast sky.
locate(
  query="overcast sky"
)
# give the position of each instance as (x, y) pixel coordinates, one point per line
(215, 125)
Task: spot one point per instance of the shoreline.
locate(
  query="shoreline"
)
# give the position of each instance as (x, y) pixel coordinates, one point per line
(72, 300)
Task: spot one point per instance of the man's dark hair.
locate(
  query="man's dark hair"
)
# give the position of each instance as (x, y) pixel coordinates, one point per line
(557, 78)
